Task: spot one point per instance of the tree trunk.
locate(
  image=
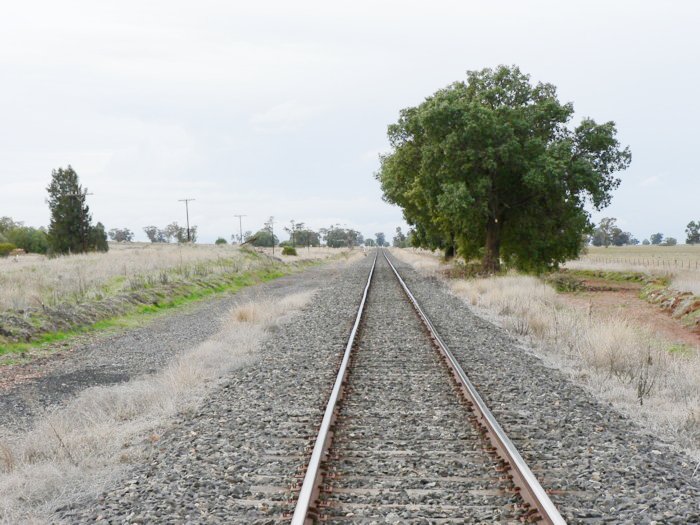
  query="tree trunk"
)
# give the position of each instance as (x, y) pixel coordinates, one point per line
(492, 256)
(449, 252)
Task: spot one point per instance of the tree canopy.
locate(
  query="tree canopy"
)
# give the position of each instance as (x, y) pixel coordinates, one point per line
(30, 239)
(492, 167)
(608, 233)
(692, 231)
(337, 237)
(70, 229)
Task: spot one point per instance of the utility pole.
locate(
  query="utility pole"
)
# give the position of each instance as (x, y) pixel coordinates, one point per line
(240, 228)
(187, 213)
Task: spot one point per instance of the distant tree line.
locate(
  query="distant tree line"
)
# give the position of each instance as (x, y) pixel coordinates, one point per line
(172, 232)
(334, 236)
(70, 229)
(607, 233)
(15, 235)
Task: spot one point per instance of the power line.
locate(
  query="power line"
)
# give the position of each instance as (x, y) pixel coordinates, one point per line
(187, 212)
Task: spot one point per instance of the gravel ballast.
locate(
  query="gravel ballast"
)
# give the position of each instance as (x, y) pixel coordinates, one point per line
(48, 383)
(601, 467)
(235, 459)
(404, 448)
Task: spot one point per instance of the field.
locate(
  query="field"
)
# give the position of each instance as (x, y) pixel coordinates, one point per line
(37, 281)
(45, 301)
(681, 263)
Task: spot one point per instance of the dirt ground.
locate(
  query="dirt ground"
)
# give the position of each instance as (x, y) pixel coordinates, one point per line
(616, 298)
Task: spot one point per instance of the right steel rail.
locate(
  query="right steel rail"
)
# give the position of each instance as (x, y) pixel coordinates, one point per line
(530, 489)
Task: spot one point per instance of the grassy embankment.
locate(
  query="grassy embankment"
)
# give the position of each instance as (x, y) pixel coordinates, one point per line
(46, 301)
(652, 379)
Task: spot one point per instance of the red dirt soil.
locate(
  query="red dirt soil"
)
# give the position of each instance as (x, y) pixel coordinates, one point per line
(613, 299)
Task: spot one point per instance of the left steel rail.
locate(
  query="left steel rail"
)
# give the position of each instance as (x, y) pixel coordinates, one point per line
(313, 478)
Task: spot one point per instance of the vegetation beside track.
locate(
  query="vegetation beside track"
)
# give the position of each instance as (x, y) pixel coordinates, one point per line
(24, 331)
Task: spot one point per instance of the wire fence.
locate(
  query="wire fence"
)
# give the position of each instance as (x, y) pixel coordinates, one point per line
(679, 263)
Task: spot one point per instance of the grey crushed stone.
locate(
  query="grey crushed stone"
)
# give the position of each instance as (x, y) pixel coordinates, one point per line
(235, 458)
(602, 466)
(126, 355)
(404, 448)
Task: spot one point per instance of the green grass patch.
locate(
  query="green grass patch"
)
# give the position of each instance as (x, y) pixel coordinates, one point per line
(606, 275)
(681, 349)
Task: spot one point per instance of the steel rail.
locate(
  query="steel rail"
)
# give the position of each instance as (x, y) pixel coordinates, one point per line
(530, 489)
(312, 479)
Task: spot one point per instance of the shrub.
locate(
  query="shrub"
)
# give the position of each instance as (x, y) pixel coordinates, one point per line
(7, 247)
(289, 250)
(220, 240)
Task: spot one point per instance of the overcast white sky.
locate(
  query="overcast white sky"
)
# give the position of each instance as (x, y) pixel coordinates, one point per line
(280, 108)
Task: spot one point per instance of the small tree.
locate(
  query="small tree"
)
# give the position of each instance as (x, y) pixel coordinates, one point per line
(693, 232)
(399, 240)
(154, 234)
(646, 242)
(669, 241)
(293, 230)
(656, 238)
(370, 243)
(604, 234)
(380, 238)
(34, 240)
(98, 238)
(220, 240)
(337, 237)
(269, 227)
(70, 229)
(263, 238)
(121, 235)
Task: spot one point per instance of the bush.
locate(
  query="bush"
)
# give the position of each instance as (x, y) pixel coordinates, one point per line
(7, 247)
(220, 240)
(31, 240)
(289, 250)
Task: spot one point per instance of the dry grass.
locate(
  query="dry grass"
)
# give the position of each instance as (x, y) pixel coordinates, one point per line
(680, 264)
(35, 280)
(637, 371)
(319, 253)
(682, 256)
(425, 261)
(74, 452)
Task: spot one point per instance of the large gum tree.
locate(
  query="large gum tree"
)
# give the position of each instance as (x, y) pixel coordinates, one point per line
(493, 168)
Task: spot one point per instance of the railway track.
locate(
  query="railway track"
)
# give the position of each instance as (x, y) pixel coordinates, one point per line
(405, 436)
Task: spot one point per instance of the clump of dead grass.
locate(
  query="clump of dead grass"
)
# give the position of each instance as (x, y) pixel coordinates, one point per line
(75, 452)
(639, 372)
(618, 359)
